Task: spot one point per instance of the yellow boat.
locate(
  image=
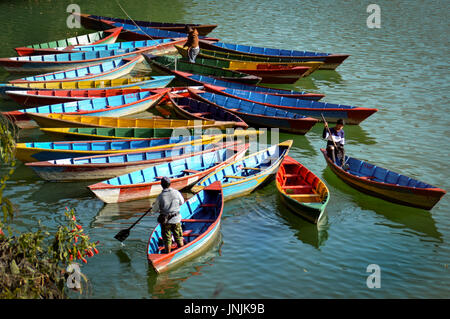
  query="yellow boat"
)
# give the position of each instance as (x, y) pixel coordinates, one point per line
(236, 64)
(67, 120)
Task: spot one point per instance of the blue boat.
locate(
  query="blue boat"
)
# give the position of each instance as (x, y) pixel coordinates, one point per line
(243, 176)
(331, 112)
(200, 221)
(102, 167)
(331, 61)
(117, 105)
(90, 21)
(101, 71)
(197, 79)
(159, 81)
(122, 45)
(138, 33)
(58, 62)
(183, 173)
(258, 114)
(45, 151)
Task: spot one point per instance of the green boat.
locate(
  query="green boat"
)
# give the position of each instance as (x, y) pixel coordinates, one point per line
(167, 64)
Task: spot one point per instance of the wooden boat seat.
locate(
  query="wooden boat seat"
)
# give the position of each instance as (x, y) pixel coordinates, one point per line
(189, 233)
(191, 171)
(230, 176)
(201, 113)
(303, 195)
(367, 177)
(296, 187)
(208, 205)
(291, 175)
(253, 168)
(198, 220)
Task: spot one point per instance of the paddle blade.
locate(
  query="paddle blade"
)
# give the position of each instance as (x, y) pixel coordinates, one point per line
(122, 235)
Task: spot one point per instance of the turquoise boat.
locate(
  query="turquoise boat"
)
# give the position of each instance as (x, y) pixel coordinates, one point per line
(117, 105)
(200, 221)
(245, 175)
(101, 71)
(183, 173)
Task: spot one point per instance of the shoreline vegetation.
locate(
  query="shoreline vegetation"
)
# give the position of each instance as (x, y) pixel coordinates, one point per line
(39, 264)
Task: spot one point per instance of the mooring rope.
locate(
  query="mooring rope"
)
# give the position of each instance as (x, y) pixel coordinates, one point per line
(132, 20)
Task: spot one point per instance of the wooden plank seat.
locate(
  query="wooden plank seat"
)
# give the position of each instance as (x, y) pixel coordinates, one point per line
(231, 176)
(303, 195)
(208, 205)
(191, 171)
(252, 168)
(296, 187)
(198, 220)
(291, 175)
(201, 113)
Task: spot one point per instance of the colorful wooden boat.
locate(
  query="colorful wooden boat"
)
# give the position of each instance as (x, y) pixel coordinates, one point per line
(301, 190)
(118, 105)
(60, 92)
(95, 22)
(200, 221)
(101, 71)
(168, 64)
(63, 120)
(331, 112)
(250, 61)
(243, 176)
(120, 45)
(132, 32)
(183, 173)
(257, 114)
(44, 151)
(99, 37)
(58, 62)
(109, 166)
(239, 62)
(386, 184)
(95, 133)
(269, 73)
(192, 109)
(331, 61)
(197, 79)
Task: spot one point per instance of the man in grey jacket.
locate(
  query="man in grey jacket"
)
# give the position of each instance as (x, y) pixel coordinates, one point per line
(168, 203)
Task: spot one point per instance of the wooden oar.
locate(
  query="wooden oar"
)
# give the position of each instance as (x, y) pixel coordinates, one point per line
(124, 233)
(331, 135)
(329, 132)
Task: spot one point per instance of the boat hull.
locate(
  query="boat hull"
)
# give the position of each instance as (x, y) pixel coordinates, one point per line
(83, 172)
(49, 96)
(125, 193)
(408, 196)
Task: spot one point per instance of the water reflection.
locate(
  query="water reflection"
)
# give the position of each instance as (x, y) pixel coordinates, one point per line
(308, 233)
(419, 221)
(168, 284)
(52, 192)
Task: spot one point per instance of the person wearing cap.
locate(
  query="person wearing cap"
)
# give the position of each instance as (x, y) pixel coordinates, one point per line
(338, 136)
(192, 43)
(168, 205)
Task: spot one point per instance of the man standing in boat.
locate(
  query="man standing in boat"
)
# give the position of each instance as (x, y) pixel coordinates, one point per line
(168, 205)
(192, 44)
(336, 141)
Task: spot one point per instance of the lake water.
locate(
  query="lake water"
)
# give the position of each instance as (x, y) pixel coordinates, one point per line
(266, 251)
